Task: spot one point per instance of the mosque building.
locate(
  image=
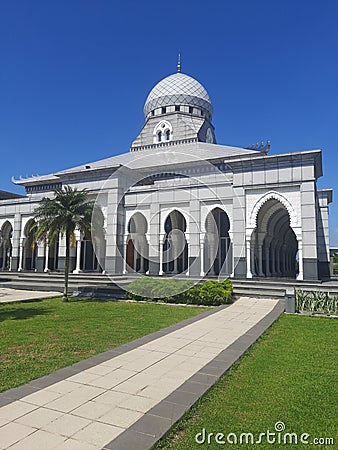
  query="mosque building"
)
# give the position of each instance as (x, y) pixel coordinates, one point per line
(180, 203)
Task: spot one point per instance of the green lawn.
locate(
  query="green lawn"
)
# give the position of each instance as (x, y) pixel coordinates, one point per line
(37, 338)
(289, 375)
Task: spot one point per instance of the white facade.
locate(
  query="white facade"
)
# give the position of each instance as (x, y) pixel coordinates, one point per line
(180, 203)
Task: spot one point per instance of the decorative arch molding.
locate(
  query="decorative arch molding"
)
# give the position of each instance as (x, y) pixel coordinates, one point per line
(207, 209)
(140, 222)
(273, 195)
(165, 213)
(134, 214)
(26, 228)
(6, 222)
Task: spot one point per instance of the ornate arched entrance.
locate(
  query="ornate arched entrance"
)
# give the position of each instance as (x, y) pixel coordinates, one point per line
(88, 261)
(175, 247)
(137, 252)
(30, 249)
(53, 256)
(218, 254)
(6, 246)
(274, 244)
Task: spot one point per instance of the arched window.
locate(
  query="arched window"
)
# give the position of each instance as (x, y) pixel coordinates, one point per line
(163, 132)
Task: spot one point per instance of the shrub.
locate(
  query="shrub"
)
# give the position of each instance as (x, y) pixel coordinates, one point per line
(170, 290)
(211, 293)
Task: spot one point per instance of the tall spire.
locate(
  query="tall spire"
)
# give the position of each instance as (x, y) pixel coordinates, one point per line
(179, 63)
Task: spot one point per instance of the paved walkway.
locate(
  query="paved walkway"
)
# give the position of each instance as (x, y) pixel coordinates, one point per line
(17, 295)
(127, 398)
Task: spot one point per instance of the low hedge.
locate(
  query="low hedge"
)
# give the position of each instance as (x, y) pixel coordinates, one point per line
(170, 290)
(316, 302)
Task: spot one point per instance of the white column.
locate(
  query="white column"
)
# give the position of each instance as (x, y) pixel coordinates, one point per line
(46, 269)
(11, 254)
(20, 255)
(136, 254)
(300, 261)
(147, 252)
(252, 260)
(175, 258)
(227, 256)
(202, 273)
(125, 256)
(248, 257)
(78, 256)
(160, 272)
(188, 247)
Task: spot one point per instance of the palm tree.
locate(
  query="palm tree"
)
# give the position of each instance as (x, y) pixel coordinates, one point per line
(68, 210)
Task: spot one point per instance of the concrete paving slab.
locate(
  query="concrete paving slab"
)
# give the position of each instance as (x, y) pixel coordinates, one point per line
(39, 440)
(66, 425)
(120, 417)
(97, 434)
(39, 417)
(72, 444)
(13, 432)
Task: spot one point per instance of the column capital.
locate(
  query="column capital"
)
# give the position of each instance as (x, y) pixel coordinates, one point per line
(248, 232)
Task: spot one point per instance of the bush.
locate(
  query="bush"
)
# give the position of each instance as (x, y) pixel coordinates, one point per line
(155, 289)
(170, 290)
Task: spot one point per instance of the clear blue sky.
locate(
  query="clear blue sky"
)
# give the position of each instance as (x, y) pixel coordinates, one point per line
(74, 76)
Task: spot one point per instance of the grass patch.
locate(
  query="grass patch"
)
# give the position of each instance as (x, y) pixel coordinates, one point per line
(37, 338)
(288, 375)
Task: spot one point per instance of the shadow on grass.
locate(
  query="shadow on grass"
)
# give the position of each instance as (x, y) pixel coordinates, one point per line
(22, 313)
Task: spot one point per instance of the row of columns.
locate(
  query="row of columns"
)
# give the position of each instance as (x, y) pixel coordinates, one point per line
(143, 258)
(275, 265)
(46, 247)
(229, 264)
(43, 251)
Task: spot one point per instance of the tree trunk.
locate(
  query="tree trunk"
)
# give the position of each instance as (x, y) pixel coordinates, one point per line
(65, 291)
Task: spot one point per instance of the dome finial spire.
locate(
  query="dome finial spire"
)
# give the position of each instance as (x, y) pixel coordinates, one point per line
(179, 63)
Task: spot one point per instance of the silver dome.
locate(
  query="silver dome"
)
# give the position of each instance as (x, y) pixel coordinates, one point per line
(178, 89)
